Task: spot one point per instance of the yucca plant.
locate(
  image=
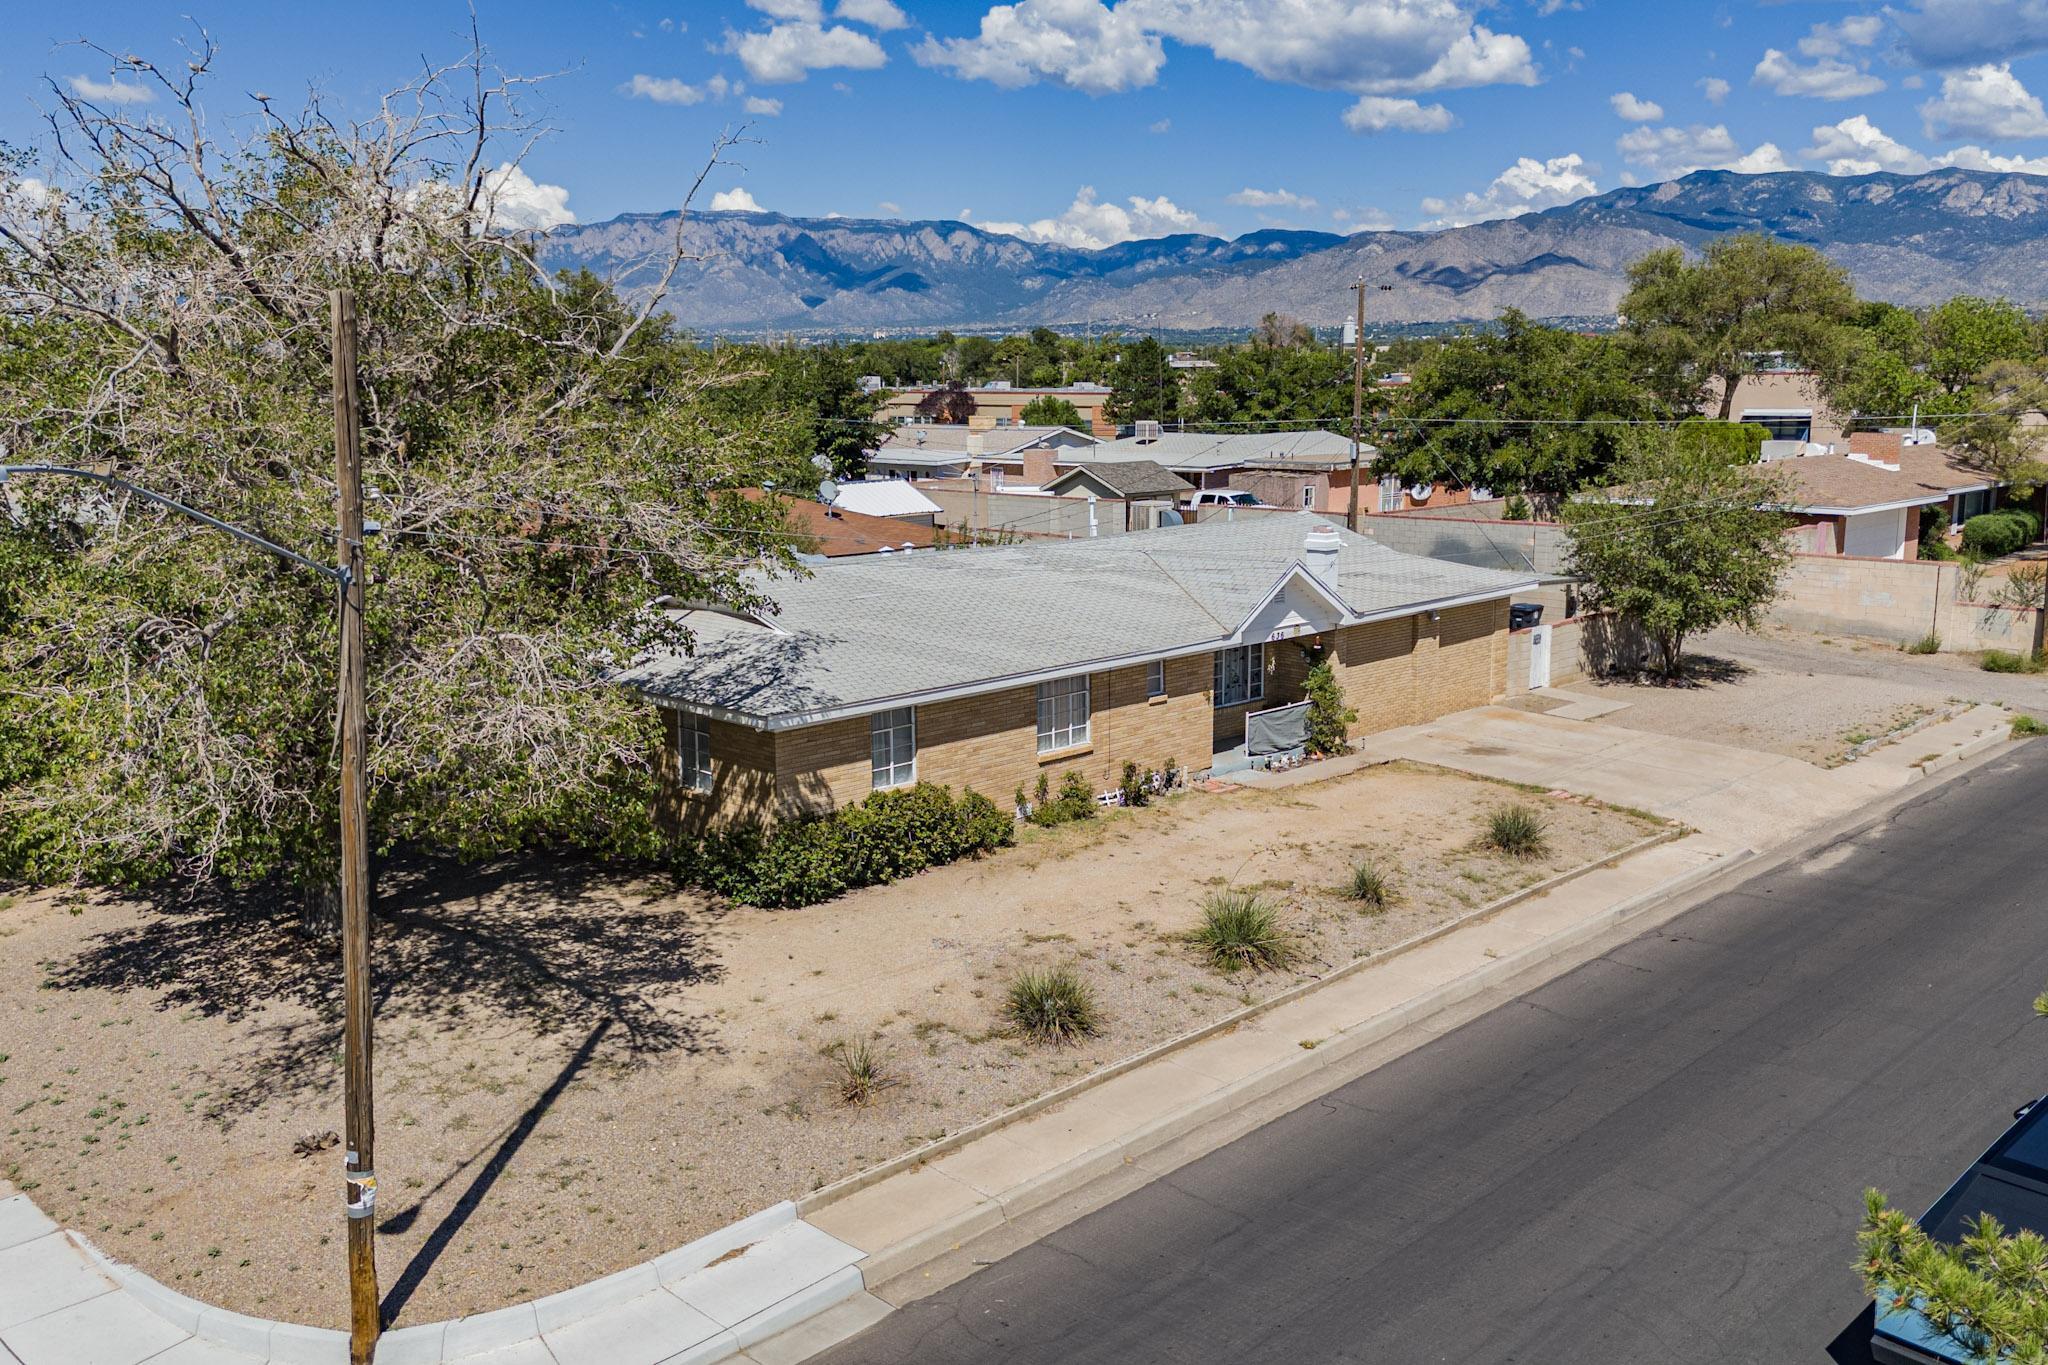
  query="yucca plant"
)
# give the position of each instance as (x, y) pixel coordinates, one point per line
(863, 1070)
(1368, 886)
(1517, 830)
(1052, 1005)
(1240, 929)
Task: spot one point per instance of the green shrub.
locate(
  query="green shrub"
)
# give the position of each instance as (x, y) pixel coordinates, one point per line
(1516, 509)
(1136, 786)
(1074, 802)
(1996, 534)
(1516, 830)
(1239, 929)
(1930, 643)
(2025, 726)
(2005, 661)
(863, 1070)
(1052, 1005)
(890, 835)
(1329, 719)
(1368, 886)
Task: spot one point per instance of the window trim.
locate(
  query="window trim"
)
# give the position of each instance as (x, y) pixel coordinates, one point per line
(1054, 737)
(693, 741)
(1390, 492)
(1253, 672)
(1308, 496)
(1155, 679)
(877, 727)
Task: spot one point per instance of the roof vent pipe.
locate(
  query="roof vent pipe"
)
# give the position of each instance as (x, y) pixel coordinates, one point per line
(1319, 552)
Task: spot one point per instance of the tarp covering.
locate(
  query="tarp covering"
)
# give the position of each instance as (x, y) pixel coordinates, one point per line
(1278, 731)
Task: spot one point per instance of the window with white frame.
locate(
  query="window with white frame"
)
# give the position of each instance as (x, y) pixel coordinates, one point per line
(1155, 678)
(1390, 493)
(1062, 713)
(1240, 675)
(693, 751)
(893, 743)
(1308, 495)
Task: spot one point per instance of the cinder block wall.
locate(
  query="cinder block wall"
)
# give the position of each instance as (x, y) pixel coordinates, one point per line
(1892, 599)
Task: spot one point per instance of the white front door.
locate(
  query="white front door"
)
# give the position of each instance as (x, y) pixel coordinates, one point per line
(1539, 657)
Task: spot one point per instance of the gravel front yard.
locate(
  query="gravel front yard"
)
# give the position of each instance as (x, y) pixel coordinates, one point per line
(575, 1074)
(1813, 698)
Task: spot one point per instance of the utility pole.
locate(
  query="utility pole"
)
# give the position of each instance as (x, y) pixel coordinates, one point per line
(1357, 399)
(360, 1142)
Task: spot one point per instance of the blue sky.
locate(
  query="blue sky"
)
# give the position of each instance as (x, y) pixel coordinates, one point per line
(1094, 120)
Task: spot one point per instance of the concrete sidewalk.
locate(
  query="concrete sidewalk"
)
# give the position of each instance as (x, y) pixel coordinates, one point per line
(795, 1279)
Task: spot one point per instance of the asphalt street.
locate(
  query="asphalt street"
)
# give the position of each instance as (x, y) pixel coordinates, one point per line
(1658, 1157)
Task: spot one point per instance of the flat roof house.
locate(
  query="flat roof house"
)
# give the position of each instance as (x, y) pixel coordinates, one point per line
(939, 450)
(982, 668)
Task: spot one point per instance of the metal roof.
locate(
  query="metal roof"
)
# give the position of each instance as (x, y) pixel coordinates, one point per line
(861, 635)
(884, 498)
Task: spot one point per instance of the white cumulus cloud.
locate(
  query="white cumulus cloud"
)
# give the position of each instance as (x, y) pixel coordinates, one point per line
(1831, 40)
(518, 201)
(1368, 47)
(1668, 153)
(790, 52)
(662, 90)
(1090, 223)
(1829, 78)
(763, 107)
(803, 11)
(1857, 146)
(1380, 113)
(112, 90)
(1363, 220)
(1271, 199)
(1081, 44)
(1953, 33)
(1713, 87)
(1984, 101)
(1524, 187)
(1635, 110)
(876, 14)
(735, 200)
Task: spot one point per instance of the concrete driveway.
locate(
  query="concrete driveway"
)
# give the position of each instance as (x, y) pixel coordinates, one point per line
(1743, 796)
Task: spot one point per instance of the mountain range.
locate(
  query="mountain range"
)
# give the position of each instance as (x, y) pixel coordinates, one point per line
(1908, 239)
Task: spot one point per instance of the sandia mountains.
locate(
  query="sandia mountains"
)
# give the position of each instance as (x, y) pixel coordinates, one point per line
(1909, 239)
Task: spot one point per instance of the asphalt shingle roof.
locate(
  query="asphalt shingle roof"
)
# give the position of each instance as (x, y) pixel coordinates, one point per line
(1924, 474)
(952, 438)
(1128, 478)
(1185, 450)
(864, 634)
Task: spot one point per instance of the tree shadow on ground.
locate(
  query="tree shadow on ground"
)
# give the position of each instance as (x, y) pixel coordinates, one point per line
(543, 946)
(1695, 670)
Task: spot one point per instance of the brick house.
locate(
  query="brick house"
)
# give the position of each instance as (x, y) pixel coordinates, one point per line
(983, 668)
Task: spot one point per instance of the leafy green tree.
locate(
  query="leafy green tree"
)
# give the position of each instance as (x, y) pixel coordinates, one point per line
(1048, 411)
(1967, 335)
(1699, 323)
(1684, 542)
(816, 389)
(543, 458)
(1277, 384)
(1143, 387)
(1523, 408)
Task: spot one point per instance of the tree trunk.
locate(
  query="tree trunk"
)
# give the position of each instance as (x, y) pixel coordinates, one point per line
(320, 911)
(1669, 650)
(1728, 383)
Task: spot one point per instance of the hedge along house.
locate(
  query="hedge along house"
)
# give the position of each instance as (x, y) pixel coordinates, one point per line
(985, 667)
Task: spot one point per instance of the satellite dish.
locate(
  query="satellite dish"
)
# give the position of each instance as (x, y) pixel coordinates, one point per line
(1421, 491)
(828, 491)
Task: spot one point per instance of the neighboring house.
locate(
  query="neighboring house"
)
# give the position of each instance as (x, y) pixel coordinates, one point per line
(836, 533)
(891, 498)
(983, 668)
(1785, 402)
(1188, 360)
(1000, 404)
(1308, 470)
(1869, 502)
(932, 450)
(1129, 481)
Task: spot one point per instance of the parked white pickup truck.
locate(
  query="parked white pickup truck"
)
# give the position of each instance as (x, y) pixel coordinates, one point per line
(1223, 497)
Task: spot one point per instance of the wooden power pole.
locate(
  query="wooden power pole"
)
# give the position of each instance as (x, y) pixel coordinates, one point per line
(1357, 399)
(360, 1164)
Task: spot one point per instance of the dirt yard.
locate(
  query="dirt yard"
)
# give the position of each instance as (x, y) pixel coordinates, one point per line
(574, 1075)
(1808, 696)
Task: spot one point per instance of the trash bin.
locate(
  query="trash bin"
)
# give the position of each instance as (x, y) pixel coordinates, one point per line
(1522, 615)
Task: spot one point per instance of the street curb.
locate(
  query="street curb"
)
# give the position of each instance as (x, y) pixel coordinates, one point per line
(892, 1262)
(931, 1151)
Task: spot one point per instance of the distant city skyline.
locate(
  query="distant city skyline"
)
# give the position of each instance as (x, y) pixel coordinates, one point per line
(1090, 123)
